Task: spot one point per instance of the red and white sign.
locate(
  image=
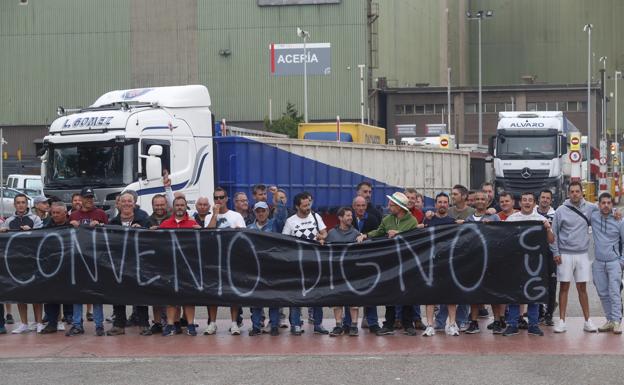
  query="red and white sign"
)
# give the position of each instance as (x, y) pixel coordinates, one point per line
(444, 142)
(575, 141)
(575, 156)
(603, 160)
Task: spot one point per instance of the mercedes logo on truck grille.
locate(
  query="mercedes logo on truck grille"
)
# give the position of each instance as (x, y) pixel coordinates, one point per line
(525, 173)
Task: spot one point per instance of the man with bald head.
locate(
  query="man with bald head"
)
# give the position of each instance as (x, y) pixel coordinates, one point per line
(203, 214)
(364, 223)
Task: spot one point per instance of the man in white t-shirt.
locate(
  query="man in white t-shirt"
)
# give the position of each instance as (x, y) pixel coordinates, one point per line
(223, 218)
(527, 213)
(306, 225)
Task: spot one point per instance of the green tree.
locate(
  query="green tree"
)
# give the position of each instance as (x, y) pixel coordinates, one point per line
(287, 124)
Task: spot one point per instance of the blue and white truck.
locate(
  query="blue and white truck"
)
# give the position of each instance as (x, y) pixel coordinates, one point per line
(127, 138)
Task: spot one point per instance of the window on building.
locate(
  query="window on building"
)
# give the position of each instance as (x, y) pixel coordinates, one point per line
(471, 108)
(419, 109)
(509, 107)
(409, 109)
(489, 107)
(582, 106)
(429, 109)
(541, 106)
(500, 107)
(551, 106)
(532, 106)
(572, 106)
(399, 109)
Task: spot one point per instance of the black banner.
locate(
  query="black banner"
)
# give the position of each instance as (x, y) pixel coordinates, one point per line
(469, 263)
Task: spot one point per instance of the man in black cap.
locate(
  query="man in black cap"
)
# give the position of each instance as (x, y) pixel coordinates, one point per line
(88, 214)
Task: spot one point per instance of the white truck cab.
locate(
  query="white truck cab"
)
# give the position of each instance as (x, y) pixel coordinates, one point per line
(528, 152)
(126, 139)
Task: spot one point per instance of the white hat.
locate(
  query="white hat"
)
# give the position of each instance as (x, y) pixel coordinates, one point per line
(399, 199)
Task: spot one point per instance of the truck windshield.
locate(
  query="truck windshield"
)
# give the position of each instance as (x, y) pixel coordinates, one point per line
(526, 147)
(96, 164)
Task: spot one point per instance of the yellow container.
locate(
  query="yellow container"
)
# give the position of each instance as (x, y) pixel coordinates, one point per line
(589, 191)
(349, 132)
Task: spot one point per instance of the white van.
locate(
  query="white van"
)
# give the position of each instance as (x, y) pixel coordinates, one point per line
(28, 184)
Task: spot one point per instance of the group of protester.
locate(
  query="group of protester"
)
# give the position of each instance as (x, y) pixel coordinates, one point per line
(568, 230)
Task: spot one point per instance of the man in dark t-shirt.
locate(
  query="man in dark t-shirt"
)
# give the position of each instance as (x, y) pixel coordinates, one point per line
(88, 214)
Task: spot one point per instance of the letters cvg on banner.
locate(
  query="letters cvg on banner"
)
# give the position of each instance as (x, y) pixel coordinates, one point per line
(288, 59)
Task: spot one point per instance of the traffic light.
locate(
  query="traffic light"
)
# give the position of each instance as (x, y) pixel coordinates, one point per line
(613, 149)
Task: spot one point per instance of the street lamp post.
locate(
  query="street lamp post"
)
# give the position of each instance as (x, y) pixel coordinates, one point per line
(588, 29)
(361, 67)
(617, 160)
(479, 15)
(603, 78)
(304, 35)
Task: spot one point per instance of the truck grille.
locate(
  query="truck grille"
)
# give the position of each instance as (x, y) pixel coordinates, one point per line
(518, 180)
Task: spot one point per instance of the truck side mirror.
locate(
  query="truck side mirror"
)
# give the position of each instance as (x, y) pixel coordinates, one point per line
(153, 163)
(563, 144)
(491, 145)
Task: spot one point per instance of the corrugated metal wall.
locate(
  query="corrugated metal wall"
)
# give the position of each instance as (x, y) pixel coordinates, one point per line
(243, 80)
(60, 53)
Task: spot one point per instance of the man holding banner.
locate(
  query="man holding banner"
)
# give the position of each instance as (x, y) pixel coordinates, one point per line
(399, 220)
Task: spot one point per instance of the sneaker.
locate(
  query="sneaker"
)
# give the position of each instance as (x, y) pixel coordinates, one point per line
(156, 328)
(607, 327)
(410, 331)
(548, 320)
(522, 324)
(560, 327)
(452, 330)
(3, 330)
(74, 331)
(21, 328)
(419, 325)
(116, 331)
(464, 326)
(589, 326)
(234, 329)
(497, 328)
(473, 328)
(99, 331)
(373, 329)
(337, 331)
(617, 328)
(266, 329)
(483, 313)
(353, 331)
(429, 332)
(364, 324)
(60, 326)
(48, 329)
(510, 331)
(211, 329)
(384, 331)
(146, 331)
(191, 330)
(490, 326)
(296, 330)
(502, 323)
(283, 323)
(274, 331)
(40, 327)
(253, 332)
(89, 317)
(168, 331)
(9, 319)
(534, 330)
(319, 329)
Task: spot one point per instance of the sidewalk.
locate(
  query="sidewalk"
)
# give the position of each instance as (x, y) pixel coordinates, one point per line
(573, 342)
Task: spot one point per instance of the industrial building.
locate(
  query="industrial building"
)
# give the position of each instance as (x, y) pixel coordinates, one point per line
(68, 52)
